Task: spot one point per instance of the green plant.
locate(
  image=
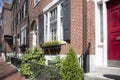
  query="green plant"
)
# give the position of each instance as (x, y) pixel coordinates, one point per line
(7, 58)
(56, 65)
(50, 71)
(70, 69)
(50, 43)
(32, 56)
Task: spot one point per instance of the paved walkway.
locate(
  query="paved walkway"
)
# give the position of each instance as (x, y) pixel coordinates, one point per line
(8, 72)
(104, 73)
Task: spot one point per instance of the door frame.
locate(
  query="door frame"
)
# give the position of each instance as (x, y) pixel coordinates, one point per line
(101, 47)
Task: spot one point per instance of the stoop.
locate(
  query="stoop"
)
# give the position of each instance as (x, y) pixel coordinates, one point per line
(106, 73)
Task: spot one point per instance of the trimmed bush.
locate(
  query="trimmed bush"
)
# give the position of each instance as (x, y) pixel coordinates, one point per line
(70, 69)
(31, 56)
(48, 72)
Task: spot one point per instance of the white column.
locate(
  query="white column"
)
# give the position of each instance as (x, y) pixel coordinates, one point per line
(99, 45)
(58, 22)
(48, 30)
(45, 35)
(34, 38)
(105, 31)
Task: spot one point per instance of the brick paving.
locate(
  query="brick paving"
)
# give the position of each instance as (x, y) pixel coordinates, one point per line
(8, 72)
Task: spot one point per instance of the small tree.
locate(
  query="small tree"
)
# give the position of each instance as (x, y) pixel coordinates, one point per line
(31, 56)
(70, 69)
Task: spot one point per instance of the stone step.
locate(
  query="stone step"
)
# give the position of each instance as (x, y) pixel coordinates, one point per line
(106, 73)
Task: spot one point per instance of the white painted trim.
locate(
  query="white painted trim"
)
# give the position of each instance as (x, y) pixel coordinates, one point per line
(101, 48)
(35, 4)
(50, 5)
(58, 22)
(34, 39)
(105, 32)
(24, 27)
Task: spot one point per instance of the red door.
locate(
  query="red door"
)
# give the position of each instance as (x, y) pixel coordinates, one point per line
(113, 14)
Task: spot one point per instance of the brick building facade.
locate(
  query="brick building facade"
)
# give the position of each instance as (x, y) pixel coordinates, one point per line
(35, 22)
(20, 25)
(72, 23)
(6, 28)
(76, 22)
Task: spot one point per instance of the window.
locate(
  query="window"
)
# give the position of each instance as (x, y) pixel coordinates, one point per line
(101, 22)
(24, 10)
(36, 2)
(53, 24)
(18, 18)
(14, 40)
(23, 36)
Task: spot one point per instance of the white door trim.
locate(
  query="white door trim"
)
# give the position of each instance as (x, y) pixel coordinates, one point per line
(101, 48)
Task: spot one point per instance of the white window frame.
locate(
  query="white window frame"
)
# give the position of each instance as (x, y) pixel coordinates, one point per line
(24, 9)
(36, 2)
(14, 39)
(59, 32)
(18, 17)
(23, 35)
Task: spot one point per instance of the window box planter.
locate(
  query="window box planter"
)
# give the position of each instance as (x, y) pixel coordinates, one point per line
(14, 48)
(51, 45)
(23, 46)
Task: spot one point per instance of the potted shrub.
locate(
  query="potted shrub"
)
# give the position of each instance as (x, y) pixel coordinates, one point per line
(70, 68)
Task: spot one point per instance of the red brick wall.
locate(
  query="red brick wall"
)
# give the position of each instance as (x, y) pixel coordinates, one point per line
(6, 15)
(76, 24)
(34, 12)
(7, 21)
(91, 25)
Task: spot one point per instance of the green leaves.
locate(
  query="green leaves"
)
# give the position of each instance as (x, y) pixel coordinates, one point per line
(31, 56)
(70, 69)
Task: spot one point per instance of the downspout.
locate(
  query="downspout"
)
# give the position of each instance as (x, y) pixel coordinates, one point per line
(84, 12)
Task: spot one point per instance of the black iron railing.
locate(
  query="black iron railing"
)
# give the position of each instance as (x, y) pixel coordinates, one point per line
(84, 59)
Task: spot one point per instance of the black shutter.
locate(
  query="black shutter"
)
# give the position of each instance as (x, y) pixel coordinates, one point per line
(66, 20)
(41, 29)
(22, 11)
(26, 7)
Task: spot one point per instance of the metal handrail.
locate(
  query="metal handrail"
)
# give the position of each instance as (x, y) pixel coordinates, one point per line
(84, 58)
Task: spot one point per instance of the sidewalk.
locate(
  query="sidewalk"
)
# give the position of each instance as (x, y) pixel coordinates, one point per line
(7, 72)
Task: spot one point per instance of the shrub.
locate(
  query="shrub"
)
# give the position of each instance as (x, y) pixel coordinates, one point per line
(51, 71)
(31, 56)
(56, 65)
(70, 69)
(50, 43)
